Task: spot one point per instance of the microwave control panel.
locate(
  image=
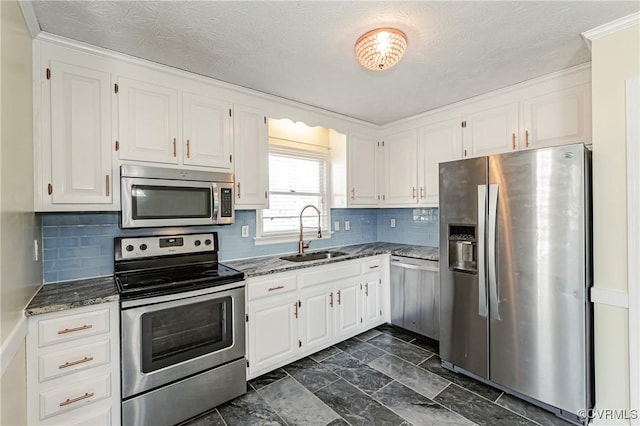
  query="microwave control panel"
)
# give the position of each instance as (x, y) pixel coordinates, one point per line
(226, 202)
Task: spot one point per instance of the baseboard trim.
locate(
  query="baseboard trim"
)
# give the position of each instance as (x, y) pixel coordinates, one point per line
(610, 297)
(12, 343)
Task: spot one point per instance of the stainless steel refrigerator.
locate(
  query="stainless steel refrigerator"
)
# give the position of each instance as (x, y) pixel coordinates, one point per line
(515, 273)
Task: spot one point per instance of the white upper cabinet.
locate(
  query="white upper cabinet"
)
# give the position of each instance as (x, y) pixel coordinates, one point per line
(401, 168)
(73, 142)
(148, 121)
(554, 111)
(558, 118)
(362, 169)
(80, 135)
(491, 131)
(173, 123)
(206, 131)
(437, 143)
(251, 153)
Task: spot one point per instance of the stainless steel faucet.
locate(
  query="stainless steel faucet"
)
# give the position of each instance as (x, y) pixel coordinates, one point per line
(301, 244)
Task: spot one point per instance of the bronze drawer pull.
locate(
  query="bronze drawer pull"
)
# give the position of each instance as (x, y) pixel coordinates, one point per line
(80, 398)
(72, 363)
(71, 330)
(279, 287)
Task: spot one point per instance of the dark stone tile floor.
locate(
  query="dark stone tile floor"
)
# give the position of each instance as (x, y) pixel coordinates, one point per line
(385, 376)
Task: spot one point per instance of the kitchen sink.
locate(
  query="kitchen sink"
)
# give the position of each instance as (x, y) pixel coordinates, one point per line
(316, 255)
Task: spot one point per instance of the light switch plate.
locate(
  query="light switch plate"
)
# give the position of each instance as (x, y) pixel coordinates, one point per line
(245, 231)
(336, 225)
(347, 225)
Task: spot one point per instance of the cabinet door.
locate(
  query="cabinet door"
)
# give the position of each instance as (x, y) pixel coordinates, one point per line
(206, 131)
(371, 292)
(148, 122)
(347, 300)
(558, 118)
(436, 143)
(401, 169)
(316, 317)
(491, 131)
(80, 135)
(362, 169)
(251, 148)
(272, 332)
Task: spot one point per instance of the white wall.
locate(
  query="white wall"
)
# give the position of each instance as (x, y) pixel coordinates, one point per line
(20, 276)
(615, 58)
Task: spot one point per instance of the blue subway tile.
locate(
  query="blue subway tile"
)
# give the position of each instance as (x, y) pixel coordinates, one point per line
(50, 277)
(75, 274)
(60, 242)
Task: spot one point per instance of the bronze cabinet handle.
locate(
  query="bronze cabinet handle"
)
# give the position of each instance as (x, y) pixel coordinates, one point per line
(513, 141)
(331, 299)
(174, 148)
(188, 149)
(80, 398)
(279, 287)
(526, 138)
(366, 289)
(353, 193)
(72, 363)
(71, 330)
(339, 297)
(238, 189)
(413, 192)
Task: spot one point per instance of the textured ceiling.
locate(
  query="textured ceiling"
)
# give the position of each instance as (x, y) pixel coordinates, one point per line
(303, 50)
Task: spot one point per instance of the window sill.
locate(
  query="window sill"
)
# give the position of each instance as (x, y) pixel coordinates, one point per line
(289, 238)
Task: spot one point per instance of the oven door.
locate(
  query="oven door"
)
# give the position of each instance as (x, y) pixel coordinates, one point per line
(165, 202)
(168, 338)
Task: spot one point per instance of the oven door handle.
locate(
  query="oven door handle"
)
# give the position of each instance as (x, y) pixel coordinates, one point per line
(181, 298)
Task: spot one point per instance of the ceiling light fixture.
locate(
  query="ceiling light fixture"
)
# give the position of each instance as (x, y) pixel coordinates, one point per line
(381, 48)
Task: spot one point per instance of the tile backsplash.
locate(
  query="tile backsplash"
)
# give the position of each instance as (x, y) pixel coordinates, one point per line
(80, 245)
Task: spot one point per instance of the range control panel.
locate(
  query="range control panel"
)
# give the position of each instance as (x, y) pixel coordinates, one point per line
(138, 247)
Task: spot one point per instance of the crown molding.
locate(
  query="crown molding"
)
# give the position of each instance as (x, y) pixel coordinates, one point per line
(30, 19)
(610, 28)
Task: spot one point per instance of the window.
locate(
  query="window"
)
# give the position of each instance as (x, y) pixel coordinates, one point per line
(296, 178)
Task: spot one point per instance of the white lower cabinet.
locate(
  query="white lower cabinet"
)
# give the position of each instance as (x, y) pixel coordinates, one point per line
(316, 322)
(272, 333)
(348, 319)
(293, 314)
(73, 367)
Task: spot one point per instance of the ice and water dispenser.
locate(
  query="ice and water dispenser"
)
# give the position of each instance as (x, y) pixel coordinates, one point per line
(463, 249)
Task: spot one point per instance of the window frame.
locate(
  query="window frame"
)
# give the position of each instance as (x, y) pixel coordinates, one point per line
(319, 153)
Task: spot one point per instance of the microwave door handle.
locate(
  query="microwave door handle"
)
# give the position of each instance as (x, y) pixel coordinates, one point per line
(215, 199)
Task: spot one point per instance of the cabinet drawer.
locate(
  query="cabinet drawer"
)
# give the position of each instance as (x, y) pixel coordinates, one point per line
(78, 358)
(71, 327)
(326, 274)
(371, 265)
(272, 286)
(74, 395)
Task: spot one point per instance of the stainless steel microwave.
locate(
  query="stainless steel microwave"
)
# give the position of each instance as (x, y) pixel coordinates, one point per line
(155, 196)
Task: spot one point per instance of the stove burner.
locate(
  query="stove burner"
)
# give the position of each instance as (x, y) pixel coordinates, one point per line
(169, 270)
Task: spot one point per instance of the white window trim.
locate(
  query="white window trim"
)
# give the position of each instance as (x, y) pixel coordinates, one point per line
(309, 234)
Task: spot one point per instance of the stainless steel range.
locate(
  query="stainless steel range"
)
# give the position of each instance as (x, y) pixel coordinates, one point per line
(182, 327)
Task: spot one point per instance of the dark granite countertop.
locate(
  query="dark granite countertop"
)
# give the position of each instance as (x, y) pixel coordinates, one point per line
(256, 266)
(72, 294)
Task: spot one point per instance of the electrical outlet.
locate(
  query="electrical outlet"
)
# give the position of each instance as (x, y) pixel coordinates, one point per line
(336, 225)
(393, 223)
(245, 231)
(347, 225)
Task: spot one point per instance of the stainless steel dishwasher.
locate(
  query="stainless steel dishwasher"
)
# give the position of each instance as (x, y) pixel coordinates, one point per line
(415, 295)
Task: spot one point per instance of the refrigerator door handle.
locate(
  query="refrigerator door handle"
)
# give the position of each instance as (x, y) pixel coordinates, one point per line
(482, 285)
(493, 281)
